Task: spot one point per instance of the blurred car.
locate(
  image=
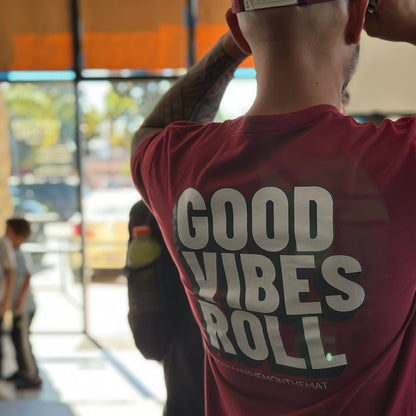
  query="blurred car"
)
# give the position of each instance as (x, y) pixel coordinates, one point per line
(44, 198)
(38, 215)
(106, 216)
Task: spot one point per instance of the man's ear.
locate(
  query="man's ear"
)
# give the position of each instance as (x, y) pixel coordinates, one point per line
(356, 13)
(232, 22)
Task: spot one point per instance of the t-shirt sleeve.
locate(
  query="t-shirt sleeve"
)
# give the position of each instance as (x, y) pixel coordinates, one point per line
(141, 163)
(397, 163)
(158, 157)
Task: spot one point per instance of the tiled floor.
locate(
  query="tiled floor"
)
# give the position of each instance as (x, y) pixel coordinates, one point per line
(81, 379)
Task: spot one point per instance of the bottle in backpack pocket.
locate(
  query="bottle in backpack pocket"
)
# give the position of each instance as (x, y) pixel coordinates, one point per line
(145, 288)
(143, 250)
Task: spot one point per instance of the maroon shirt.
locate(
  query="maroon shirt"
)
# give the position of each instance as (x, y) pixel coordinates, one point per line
(295, 237)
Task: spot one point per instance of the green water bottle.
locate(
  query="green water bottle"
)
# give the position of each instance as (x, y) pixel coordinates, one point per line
(143, 250)
(143, 281)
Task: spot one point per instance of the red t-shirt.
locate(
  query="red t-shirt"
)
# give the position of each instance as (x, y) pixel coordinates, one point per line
(295, 237)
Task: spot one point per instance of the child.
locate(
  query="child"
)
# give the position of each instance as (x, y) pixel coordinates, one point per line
(7, 281)
(27, 375)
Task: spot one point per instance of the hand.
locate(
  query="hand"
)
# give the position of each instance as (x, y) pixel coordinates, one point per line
(232, 48)
(393, 20)
(235, 38)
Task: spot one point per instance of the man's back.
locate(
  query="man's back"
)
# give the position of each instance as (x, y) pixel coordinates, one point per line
(293, 233)
(293, 227)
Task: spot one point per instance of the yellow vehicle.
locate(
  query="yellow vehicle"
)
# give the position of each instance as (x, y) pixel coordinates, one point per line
(106, 216)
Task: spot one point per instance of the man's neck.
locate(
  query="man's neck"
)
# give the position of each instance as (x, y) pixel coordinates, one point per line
(295, 81)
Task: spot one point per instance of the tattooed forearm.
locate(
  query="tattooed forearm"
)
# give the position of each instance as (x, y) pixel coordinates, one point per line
(196, 96)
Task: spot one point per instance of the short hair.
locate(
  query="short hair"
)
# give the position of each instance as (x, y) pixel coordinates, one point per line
(20, 226)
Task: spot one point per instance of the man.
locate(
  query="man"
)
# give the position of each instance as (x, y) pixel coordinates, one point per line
(293, 227)
(162, 323)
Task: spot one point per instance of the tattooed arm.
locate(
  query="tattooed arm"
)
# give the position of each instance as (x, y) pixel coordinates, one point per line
(197, 95)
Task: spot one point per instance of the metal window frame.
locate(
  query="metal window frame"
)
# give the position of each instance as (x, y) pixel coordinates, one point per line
(75, 77)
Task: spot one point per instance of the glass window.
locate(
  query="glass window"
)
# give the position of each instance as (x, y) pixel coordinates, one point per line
(44, 185)
(238, 98)
(111, 112)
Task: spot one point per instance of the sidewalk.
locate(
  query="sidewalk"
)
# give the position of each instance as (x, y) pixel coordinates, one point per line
(80, 379)
(103, 375)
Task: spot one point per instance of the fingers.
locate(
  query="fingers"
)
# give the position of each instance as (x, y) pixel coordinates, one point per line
(235, 31)
(393, 20)
(372, 26)
(375, 21)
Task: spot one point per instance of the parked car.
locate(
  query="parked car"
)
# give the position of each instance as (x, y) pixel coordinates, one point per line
(106, 215)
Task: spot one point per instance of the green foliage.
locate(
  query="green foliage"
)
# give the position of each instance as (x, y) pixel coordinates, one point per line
(42, 119)
(40, 115)
(123, 108)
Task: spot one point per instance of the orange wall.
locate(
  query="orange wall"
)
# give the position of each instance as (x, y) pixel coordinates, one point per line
(35, 35)
(134, 34)
(211, 25)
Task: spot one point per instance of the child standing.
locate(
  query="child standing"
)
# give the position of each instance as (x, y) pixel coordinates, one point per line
(7, 283)
(27, 375)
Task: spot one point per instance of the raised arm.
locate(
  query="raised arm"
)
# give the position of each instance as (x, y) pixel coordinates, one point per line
(197, 95)
(393, 20)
